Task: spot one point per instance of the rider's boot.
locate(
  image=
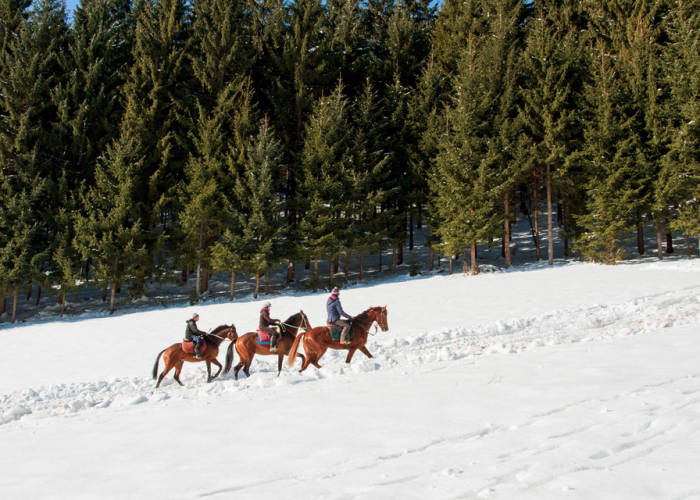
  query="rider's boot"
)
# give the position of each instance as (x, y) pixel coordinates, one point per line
(273, 343)
(196, 351)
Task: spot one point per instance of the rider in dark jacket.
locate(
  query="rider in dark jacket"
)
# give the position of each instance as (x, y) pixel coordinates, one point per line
(269, 325)
(194, 334)
(335, 311)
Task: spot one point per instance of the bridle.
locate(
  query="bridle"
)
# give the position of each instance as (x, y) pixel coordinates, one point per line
(303, 325)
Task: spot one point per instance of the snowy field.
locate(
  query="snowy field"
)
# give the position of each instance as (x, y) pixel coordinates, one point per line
(576, 381)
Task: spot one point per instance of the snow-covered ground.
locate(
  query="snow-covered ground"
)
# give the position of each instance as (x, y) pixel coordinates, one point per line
(573, 381)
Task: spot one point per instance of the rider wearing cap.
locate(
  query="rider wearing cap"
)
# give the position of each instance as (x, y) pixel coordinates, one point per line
(335, 311)
(194, 334)
(266, 325)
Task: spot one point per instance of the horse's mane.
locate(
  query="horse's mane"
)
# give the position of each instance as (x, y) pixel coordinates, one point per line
(292, 318)
(219, 328)
(364, 315)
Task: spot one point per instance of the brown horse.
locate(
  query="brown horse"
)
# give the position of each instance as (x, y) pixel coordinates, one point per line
(175, 357)
(247, 346)
(318, 339)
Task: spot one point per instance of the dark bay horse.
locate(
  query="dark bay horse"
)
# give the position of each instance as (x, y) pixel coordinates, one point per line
(175, 357)
(247, 345)
(319, 339)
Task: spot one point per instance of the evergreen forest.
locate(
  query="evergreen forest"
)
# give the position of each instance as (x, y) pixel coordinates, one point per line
(151, 141)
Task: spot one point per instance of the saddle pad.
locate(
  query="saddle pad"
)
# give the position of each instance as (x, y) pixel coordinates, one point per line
(337, 330)
(263, 337)
(188, 347)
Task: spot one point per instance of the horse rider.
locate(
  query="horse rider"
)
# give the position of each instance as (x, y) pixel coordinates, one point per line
(269, 325)
(194, 334)
(335, 311)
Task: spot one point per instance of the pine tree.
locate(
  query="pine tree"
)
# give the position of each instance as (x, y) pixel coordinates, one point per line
(33, 174)
(109, 230)
(464, 182)
(154, 129)
(221, 60)
(610, 152)
(259, 207)
(89, 113)
(550, 102)
(678, 183)
(327, 162)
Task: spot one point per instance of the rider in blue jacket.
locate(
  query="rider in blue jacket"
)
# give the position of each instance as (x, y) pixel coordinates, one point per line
(335, 311)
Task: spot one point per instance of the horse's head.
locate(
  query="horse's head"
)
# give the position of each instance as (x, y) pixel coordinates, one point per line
(231, 333)
(380, 316)
(304, 321)
(296, 322)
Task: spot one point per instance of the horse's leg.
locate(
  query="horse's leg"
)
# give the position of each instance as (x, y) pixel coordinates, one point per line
(236, 369)
(248, 362)
(279, 363)
(178, 369)
(364, 351)
(350, 353)
(216, 362)
(208, 370)
(318, 357)
(166, 369)
(302, 358)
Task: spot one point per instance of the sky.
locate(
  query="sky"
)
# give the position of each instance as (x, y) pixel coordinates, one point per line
(574, 381)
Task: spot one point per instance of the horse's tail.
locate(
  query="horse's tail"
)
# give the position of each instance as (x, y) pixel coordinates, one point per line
(229, 357)
(155, 366)
(292, 354)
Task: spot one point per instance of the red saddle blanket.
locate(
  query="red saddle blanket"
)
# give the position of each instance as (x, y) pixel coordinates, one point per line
(263, 337)
(188, 347)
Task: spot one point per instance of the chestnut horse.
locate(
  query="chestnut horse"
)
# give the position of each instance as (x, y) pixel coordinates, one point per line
(247, 346)
(175, 357)
(318, 339)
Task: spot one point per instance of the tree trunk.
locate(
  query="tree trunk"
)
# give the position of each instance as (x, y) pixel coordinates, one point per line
(393, 258)
(565, 213)
(380, 259)
(62, 301)
(3, 305)
(669, 243)
(184, 274)
(362, 264)
(410, 232)
(104, 294)
(347, 267)
(640, 239)
(659, 239)
(112, 295)
(315, 279)
(536, 216)
(198, 279)
(290, 271)
(257, 285)
(506, 238)
(233, 284)
(475, 265)
(612, 252)
(465, 264)
(399, 254)
(205, 278)
(268, 288)
(29, 292)
(451, 263)
(14, 305)
(550, 231)
(38, 295)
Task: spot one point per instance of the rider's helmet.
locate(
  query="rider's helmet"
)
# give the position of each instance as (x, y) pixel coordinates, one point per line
(267, 304)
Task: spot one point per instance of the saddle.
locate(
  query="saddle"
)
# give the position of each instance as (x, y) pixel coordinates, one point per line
(188, 347)
(264, 337)
(336, 330)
